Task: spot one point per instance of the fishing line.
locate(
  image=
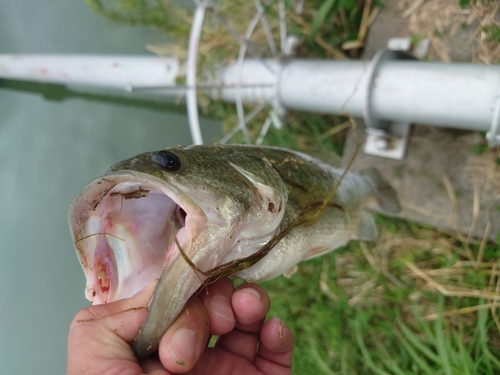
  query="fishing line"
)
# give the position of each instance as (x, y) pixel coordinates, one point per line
(184, 255)
(334, 190)
(96, 234)
(112, 314)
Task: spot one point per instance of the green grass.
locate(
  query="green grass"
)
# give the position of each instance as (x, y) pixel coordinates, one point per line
(464, 3)
(160, 14)
(376, 323)
(303, 130)
(478, 149)
(493, 33)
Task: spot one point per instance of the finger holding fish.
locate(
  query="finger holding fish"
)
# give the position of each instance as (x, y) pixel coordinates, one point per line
(251, 305)
(184, 341)
(217, 300)
(100, 336)
(236, 352)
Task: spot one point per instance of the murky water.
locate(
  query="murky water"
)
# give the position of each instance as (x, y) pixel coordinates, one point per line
(52, 142)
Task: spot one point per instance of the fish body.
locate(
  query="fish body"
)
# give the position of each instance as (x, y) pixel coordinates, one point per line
(218, 204)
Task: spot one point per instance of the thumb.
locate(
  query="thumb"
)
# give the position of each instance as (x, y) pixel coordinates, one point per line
(99, 336)
(123, 317)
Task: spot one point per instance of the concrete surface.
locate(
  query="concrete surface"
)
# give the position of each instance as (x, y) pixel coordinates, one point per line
(455, 41)
(441, 182)
(440, 179)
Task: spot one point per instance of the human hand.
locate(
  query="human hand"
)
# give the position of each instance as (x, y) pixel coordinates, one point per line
(100, 336)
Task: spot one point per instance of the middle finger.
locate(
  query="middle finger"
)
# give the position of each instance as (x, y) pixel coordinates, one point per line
(185, 340)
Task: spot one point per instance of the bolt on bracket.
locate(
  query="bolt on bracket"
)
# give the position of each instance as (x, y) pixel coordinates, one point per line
(385, 138)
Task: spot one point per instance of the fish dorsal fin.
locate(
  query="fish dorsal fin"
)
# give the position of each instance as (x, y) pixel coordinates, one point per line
(325, 156)
(387, 197)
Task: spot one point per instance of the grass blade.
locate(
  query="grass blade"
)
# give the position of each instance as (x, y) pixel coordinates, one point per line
(415, 341)
(418, 360)
(482, 328)
(464, 356)
(320, 17)
(423, 324)
(440, 339)
(388, 361)
(392, 365)
(362, 347)
(313, 350)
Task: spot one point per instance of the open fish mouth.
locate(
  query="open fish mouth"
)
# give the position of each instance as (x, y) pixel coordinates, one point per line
(125, 228)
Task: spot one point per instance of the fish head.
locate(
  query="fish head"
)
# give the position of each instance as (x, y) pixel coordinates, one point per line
(130, 225)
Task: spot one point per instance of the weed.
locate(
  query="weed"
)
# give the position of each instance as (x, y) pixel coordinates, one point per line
(492, 33)
(385, 316)
(439, 33)
(478, 149)
(464, 3)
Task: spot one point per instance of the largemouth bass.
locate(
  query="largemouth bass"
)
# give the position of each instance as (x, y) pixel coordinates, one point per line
(213, 205)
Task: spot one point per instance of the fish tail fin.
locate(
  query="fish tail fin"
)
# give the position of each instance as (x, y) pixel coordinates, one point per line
(387, 197)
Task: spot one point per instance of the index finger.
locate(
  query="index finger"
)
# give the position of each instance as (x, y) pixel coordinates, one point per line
(250, 305)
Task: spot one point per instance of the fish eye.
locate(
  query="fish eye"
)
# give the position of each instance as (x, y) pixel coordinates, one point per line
(167, 160)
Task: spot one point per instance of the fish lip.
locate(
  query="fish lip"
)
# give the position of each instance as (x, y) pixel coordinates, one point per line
(87, 204)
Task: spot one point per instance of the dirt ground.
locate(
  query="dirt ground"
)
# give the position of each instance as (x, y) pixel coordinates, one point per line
(456, 34)
(443, 181)
(470, 34)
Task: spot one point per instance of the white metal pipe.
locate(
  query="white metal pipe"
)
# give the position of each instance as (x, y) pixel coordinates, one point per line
(263, 75)
(456, 95)
(325, 86)
(113, 72)
(461, 95)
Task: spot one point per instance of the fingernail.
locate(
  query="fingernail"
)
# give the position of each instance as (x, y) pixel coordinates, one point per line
(182, 346)
(221, 306)
(252, 292)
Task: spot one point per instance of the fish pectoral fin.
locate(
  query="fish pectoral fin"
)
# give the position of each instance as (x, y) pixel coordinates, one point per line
(268, 184)
(387, 197)
(258, 171)
(291, 271)
(318, 251)
(367, 227)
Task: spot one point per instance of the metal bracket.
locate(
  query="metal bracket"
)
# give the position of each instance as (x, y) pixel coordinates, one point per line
(390, 142)
(384, 138)
(493, 135)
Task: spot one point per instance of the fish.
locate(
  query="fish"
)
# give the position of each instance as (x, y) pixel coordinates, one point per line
(187, 215)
